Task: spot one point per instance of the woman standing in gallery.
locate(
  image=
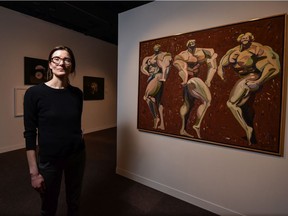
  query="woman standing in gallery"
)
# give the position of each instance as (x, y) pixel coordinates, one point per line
(52, 113)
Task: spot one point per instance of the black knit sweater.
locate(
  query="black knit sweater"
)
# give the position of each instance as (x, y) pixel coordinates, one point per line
(55, 116)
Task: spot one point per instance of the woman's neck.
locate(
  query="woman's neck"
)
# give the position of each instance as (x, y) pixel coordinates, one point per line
(58, 83)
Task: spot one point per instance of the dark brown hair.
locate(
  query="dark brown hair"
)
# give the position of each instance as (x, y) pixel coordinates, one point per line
(73, 62)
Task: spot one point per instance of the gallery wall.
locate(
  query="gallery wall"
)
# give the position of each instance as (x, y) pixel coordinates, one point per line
(21, 36)
(224, 180)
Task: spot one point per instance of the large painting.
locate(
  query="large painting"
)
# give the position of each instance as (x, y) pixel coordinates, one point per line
(225, 85)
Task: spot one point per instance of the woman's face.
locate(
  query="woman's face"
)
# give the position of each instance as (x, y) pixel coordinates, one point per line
(60, 63)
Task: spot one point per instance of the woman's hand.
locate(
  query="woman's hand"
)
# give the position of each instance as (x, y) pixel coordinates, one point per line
(37, 182)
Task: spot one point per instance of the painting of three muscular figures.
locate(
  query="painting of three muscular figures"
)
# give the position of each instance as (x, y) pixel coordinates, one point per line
(223, 85)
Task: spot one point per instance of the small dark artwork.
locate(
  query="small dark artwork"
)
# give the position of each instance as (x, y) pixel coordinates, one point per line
(93, 88)
(35, 71)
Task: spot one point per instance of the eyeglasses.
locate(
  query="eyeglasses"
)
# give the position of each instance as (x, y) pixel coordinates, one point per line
(57, 60)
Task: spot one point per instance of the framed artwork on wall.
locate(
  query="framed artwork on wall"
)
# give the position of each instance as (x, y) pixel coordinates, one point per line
(93, 88)
(19, 93)
(35, 71)
(224, 85)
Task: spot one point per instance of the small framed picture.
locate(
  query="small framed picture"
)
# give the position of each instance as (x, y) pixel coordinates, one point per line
(19, 101)
(93, 88)
(35, 71)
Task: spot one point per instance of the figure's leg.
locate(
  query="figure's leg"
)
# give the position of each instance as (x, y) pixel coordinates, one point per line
(152, 107)
(151, 90)
(200, 115)
(160, 107)
(238, 97)
(185, 111)
(249, 114)
(199, 90)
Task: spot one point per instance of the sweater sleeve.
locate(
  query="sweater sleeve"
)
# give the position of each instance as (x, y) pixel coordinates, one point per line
(30, 119)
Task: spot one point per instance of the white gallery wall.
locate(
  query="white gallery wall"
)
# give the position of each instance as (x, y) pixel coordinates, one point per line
(223, 180)
(22, 35)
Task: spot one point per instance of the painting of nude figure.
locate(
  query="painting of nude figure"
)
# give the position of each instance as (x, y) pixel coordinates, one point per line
(224, 85)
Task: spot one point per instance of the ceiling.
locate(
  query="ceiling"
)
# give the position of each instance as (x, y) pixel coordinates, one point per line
(97, 19)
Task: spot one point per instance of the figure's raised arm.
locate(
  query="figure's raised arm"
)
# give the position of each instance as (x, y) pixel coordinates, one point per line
(211, 63)
(223, 63)
(164, 61)
(144, 66)
(181, 65)
(269, 66)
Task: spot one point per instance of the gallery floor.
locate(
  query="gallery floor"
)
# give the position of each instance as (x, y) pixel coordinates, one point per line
(104, 192)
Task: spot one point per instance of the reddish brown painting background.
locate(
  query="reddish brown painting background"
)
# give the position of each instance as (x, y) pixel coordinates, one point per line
(219, 126)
